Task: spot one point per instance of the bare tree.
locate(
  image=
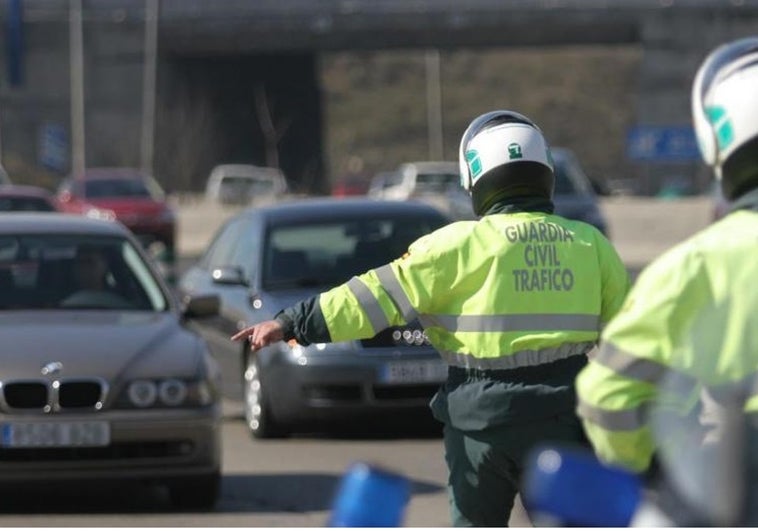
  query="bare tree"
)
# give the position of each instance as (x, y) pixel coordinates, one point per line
(187, 140)
(272, 127)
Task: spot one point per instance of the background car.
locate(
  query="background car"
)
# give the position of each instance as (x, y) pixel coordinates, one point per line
(574, 195)
(106, 384)
(21, 198)
(4, 178)
(242, 184)
(438, 183)
(129, 196)
(267, 258)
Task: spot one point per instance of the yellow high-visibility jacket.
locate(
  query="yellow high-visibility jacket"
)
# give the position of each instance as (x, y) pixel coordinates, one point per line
(520, 297)
(691, 319)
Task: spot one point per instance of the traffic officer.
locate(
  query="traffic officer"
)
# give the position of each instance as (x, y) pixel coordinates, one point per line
(692, 316)
(513, 302)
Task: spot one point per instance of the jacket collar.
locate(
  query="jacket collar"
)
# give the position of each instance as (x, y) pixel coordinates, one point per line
(522, 204)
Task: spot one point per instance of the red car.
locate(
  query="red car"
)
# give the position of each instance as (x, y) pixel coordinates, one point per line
(22, 198)
(127, 195)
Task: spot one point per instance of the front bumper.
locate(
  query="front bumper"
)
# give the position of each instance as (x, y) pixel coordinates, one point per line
(342, 387)
(143, 445)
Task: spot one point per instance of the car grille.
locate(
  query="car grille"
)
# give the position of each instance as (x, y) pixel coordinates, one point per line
(125, 450)
(52, 396)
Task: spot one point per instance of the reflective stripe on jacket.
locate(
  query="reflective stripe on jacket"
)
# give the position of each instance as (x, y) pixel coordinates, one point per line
(690, 323)
(505, 292)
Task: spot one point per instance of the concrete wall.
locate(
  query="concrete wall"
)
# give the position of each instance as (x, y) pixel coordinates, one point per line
(217, 119)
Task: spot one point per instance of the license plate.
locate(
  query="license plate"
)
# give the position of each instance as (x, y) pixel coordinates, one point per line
(55, 434)
(414, 372)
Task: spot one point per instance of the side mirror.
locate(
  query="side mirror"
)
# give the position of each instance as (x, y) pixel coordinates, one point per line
(194, 306)
(229, 275)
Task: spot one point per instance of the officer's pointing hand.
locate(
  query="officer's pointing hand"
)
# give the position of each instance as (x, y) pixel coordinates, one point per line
(261, 334)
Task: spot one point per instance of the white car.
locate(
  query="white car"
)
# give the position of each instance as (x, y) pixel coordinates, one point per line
(245, 184)
(433, 182)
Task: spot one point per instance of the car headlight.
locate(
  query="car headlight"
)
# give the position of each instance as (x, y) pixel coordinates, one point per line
(142, 393)
(172, 392)
(100, 213)
(169, 392)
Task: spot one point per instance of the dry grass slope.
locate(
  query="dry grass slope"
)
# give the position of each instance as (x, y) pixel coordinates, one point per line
(582, 97)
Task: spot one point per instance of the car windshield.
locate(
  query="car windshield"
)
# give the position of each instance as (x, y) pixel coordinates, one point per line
(329, 253)
(75, 272)
(100, 188)
(570, 179)
(25, 204)
(437, 182)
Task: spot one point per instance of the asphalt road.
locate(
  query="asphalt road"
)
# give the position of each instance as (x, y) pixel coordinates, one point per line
(290, 483)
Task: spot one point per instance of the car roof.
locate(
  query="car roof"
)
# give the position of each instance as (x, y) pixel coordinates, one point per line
(244, 170)
(58, 223)
(432, 166)
(23, 190)
(319, 208)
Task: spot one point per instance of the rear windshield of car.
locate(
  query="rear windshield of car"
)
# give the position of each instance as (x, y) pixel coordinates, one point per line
(248, 185)
(437, 182)
(329, 253)
(54, 271)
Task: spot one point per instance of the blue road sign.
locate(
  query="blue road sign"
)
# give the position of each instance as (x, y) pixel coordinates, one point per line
(662, 143)
(53, 146)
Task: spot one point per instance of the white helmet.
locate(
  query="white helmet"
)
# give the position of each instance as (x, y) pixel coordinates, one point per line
(503, 154)
(725, 114)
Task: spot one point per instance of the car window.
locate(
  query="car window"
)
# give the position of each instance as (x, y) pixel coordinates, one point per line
(223, 247)
(570, 179)
(100, 188)
(329, 253)
(25, 204)
(50, 272)
(437, 182)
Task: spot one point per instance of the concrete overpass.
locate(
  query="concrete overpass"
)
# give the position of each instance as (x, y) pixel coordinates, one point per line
(227, 70)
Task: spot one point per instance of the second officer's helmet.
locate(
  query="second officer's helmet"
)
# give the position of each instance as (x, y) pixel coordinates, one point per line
(503, 154)
(725, 114)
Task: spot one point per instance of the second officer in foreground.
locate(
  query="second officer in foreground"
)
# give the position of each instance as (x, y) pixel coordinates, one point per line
(513, 302)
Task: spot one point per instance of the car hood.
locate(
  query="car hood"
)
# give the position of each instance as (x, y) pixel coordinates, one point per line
(110, 345)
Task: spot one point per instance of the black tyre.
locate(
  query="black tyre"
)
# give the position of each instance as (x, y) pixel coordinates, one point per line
(258, 416)
(198, 493)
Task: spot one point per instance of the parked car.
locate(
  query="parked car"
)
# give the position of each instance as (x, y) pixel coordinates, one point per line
(129, 196)
(434, 182)
(415, 179)
(21, 198)
(242, 184)
(101, 383)
(267, 258)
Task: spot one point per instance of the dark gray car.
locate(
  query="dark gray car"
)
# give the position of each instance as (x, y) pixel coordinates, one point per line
(99, 378)
(574, 196)
(267, 258)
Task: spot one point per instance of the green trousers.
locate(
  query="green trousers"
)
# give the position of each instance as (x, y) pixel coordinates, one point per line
(485, 467)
